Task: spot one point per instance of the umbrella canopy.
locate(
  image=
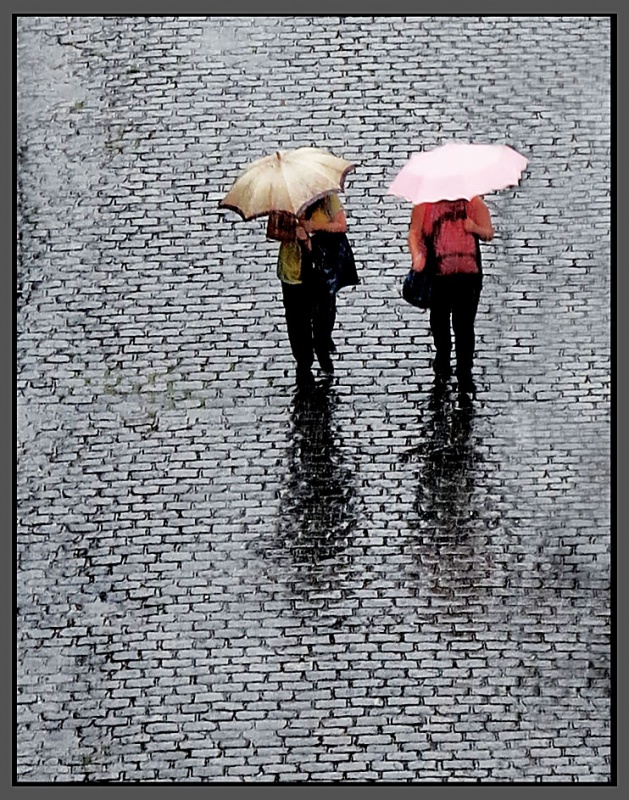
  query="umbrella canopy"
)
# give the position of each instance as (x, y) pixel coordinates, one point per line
(289, 180)
(458, 170)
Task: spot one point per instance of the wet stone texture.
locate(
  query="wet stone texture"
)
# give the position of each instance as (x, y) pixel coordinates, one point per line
(220, 579)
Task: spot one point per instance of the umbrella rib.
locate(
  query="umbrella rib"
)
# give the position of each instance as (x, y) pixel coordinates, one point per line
(339, 184)
(294, 207)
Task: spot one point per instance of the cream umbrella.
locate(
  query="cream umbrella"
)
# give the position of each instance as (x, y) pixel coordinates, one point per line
(288, 180)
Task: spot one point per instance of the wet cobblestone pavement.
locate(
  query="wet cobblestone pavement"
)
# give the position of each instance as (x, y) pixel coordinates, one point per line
(222, 579)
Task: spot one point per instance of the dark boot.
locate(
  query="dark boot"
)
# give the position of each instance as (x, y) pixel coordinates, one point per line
(325, 362)
(466, 384)
(441, 366)
(304, 377)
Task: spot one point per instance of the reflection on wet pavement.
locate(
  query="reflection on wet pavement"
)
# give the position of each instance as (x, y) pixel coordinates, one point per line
(317, 512)
(445, 509)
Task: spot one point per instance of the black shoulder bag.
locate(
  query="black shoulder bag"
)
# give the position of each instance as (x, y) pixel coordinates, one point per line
(418, 286)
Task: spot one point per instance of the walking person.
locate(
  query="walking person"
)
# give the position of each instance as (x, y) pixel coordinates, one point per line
(447, 233)
(298, 188)
(315, 260)
(444, 238)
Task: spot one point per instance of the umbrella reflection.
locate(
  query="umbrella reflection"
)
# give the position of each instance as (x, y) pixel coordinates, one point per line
(317, 503)
(445, 510)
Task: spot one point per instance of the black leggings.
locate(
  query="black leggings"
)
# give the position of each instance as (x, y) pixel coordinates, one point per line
(456, 297)
(310, 315)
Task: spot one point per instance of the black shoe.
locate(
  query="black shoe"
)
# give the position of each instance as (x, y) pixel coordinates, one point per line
(304, 377)
(466, 385)
(442, 379)
(441, 369)
(325, 362)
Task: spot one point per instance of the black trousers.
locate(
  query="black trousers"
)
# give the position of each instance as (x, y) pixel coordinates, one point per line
(455, 298)
(310, 315)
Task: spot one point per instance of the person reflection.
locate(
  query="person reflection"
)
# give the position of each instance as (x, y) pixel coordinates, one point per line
(444, 509)
(317, 510)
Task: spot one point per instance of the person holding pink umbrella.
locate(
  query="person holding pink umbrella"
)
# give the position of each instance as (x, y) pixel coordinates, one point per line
(448, 221)
(448, 232)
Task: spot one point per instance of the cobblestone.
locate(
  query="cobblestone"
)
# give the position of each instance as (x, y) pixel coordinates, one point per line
(219, 581)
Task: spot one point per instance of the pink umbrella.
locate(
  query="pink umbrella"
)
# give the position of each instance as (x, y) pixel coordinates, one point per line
(458, 170)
